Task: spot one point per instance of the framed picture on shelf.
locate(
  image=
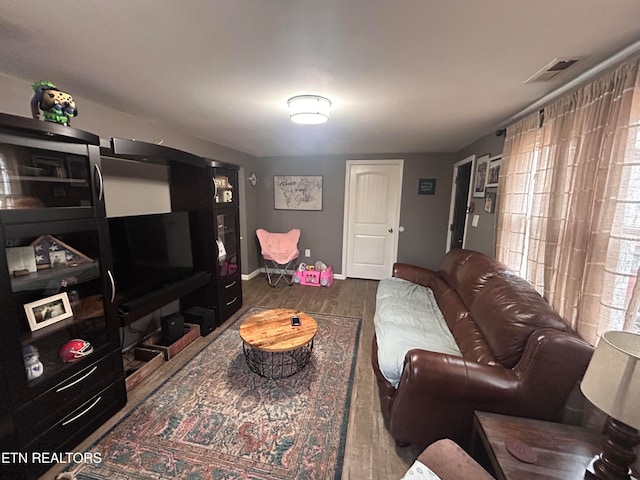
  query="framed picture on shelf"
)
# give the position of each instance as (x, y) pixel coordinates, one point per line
(493, 171)
(47, 311)
(480, 177)
(301, 192)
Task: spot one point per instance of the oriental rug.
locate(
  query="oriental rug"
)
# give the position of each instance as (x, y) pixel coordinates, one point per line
(215, 419)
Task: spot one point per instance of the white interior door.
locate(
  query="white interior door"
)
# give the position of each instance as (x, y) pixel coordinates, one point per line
(372, 217)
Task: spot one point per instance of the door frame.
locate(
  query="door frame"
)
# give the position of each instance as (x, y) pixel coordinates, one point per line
(345, 216)
(456, 167)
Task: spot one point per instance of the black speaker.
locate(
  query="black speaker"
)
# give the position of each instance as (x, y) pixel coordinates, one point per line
(172, 328)
(205, 317)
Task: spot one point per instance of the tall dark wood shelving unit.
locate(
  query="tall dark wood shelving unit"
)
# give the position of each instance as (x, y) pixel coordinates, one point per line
(219, 250)
(214, 222)
(51, 195)
(225, 194)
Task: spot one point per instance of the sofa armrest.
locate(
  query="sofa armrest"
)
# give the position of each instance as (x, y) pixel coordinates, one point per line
(551, 364)
(413, 273)
(449, 377)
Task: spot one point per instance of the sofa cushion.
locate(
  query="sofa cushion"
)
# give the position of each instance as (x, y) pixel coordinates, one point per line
(507, 310)
(467, 272)
(407, 317)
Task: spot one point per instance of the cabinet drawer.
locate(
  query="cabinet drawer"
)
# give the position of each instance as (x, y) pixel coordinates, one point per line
(227, 284)
(44, 410)
(82, 421)
(229, 302)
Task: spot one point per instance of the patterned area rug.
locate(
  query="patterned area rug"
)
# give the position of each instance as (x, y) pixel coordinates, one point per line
(215, 419)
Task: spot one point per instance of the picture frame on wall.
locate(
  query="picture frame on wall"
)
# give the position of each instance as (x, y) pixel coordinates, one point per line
(490, 202)
(47, 311)
(493, 171)
(297, 192)
(480, 177)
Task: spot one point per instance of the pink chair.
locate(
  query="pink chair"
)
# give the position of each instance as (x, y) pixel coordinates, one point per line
(281, 249)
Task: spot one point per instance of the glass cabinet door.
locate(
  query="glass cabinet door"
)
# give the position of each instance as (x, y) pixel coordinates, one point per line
(225, 182)
(56, 291)
(39, 178)
(227, 243)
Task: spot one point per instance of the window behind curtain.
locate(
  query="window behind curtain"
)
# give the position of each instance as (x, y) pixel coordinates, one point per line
(569, 203)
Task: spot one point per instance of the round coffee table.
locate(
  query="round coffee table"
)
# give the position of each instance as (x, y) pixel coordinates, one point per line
(272, 347)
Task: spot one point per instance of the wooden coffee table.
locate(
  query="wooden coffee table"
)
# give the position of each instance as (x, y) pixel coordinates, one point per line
(272, 347)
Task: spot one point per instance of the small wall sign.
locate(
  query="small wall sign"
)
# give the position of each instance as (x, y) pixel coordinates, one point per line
(427, 186)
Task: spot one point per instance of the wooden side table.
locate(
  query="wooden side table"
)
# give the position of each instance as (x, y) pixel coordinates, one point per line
(563, 451)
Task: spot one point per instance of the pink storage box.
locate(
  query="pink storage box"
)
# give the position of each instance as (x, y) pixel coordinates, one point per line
(314, 278)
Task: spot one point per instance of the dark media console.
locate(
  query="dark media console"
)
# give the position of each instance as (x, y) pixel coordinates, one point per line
(137, 307)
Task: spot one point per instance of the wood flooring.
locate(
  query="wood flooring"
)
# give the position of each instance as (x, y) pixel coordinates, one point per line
(371, 453)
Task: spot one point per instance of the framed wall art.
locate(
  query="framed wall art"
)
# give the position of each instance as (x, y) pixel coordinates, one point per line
(480, 177)
(493, 171)
(47, 311)
(297, 192)
(490, 202)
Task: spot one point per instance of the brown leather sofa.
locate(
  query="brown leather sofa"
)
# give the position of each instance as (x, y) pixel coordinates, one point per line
(518, 356)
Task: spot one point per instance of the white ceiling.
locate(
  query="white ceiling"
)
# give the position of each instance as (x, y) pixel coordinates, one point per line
(403, 75)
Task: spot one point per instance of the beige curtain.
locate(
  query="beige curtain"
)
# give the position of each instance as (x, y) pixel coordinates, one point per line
(569, 203)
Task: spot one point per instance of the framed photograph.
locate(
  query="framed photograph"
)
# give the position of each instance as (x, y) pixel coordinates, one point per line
(47, 311)
(493, 172)
(490, 202)
(302, 192)
(480, 178)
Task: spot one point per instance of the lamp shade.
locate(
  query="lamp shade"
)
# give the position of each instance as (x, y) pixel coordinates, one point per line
(612, 379)
(309, 109)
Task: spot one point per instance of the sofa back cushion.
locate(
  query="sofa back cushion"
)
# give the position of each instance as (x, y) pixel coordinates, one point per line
(467, 272)
(467, 334)
(507, 310)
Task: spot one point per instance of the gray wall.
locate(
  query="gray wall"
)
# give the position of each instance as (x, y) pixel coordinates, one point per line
(423, 217)
(482, 237)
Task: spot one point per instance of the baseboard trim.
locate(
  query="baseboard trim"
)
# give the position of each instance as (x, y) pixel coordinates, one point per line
(251, 275)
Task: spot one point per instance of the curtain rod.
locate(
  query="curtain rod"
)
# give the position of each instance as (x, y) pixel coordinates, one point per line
(583, 77)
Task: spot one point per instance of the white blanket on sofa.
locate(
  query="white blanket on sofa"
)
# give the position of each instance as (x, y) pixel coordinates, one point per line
(407, 316)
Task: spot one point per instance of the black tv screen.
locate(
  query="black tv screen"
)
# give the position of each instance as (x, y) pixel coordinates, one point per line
(149, 252)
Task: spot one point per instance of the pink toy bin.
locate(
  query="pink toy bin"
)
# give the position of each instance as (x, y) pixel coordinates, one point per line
(314, 278)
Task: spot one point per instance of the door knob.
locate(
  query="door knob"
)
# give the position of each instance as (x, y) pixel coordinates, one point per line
(391, 230)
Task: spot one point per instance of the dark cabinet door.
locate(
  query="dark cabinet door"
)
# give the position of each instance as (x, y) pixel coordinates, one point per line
(43, 180)
(57, 307)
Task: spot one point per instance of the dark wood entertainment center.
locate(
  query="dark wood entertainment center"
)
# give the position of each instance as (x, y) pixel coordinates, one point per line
(59, 284)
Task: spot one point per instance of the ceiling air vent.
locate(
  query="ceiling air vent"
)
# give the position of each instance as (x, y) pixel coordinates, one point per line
(552, 69)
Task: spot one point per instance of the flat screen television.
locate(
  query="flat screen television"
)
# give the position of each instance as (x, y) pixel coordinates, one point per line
(150, 252)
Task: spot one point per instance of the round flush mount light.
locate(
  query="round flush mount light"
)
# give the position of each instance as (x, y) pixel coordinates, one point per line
(309, 109)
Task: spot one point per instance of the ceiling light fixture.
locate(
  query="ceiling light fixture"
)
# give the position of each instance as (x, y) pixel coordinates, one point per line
(309, 109)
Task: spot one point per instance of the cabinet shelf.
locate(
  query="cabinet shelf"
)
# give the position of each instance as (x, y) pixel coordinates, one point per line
(30, 178)
(51, 277)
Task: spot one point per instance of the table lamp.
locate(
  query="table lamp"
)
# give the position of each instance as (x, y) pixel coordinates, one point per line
(612, 384)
